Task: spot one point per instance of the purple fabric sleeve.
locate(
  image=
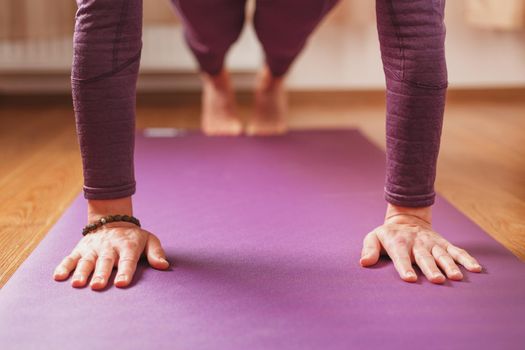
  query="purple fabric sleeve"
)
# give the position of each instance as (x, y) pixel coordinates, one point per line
(412, 39)
(107, 48)
(107, 52)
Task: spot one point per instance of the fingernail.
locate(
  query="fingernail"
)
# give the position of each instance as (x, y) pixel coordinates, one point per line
(78, 278)
(97, 279)
(410, 274)
(120, 278)
(438, 276)
(59, 272)
(163, 260)
(477, 266)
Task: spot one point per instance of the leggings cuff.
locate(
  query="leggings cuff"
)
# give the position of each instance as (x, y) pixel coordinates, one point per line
(425, 200)
(109, 192)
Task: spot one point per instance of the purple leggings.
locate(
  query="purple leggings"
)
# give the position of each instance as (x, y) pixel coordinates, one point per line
(282, 27)
(107, 49)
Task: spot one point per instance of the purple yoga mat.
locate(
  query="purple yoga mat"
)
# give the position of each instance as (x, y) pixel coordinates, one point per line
(265, 234)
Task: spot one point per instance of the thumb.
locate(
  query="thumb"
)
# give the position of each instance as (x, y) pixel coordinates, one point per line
(155, 254)
(371, 250)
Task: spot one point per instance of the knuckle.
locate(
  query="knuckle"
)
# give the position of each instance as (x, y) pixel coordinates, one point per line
(86, 261)
(398, 255)
(74, 255)
(420, 244)
(443, 243)
(131, 245)
(462, 251)
(68, 260)
(399, 241)
(472, 261)
(420, 251)
(107, 253)
(439, 249)
(443, 258)
(106, 247)
(106, 260)
(420, 258)
(127, 259)
(89, 254)
(158, 252)
(154, 238)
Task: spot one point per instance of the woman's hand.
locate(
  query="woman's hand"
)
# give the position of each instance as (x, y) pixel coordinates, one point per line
(407, 237)
(114, 244)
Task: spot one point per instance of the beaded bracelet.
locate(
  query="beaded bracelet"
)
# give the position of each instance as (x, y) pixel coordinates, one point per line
(107, 219)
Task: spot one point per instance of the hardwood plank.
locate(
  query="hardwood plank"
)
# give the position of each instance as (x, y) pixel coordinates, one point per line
(34, 196)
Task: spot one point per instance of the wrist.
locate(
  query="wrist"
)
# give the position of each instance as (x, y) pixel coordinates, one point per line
(98, 208)
(423, 213)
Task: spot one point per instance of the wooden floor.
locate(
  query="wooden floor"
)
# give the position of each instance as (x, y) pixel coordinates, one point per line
(481, 168)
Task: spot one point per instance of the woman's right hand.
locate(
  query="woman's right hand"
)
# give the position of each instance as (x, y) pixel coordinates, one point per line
(118, 244)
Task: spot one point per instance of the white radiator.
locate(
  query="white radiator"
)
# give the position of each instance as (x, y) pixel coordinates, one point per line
(45, 65)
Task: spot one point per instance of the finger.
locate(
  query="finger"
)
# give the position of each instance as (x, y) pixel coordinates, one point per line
(428, 266)
(67, 265)
(104, 266)
(155, 254)
(464, 258)
(371, 250)
(127, 264)
(446, 263)
(85, 266)
(398, 252)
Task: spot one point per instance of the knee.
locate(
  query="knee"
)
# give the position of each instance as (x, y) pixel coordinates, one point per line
(210, 35)
(282, 30)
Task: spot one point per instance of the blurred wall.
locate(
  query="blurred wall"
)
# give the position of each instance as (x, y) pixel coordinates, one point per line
(342, 54)
(345, 54)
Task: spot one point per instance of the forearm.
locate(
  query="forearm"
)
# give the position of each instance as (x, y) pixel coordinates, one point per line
(412, 36)
(107, 47)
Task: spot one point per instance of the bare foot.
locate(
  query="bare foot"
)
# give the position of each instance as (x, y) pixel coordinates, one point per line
(271, 105)
(219, 116)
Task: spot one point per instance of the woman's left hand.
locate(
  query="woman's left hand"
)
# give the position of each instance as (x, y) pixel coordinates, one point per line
(407, 237)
